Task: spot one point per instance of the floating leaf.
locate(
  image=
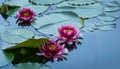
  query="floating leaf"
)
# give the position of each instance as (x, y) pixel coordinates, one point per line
(46, 1)
(37, 8)
(17, 35)
(4, 9)
(118, 1)
(107, 27)
(105, 0)
(106, 18)
(111, 4)
(83, 11)
(17, 2)
(13, 12)
(81, 2)
(46, 23)
(111, 9)
(3, 26)
(113, 14)
(89, 27)
(5, 45)
(5, 58)
(31, 66)
(31, 43)
(27, 51)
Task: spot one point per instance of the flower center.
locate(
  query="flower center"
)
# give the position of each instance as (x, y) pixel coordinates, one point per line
(26, 14)
(52, 47)
(68, 30)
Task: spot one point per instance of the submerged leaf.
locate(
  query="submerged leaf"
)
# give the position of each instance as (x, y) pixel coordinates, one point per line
(31, 66)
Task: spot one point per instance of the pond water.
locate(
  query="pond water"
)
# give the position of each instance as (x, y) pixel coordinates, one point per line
(99, 50)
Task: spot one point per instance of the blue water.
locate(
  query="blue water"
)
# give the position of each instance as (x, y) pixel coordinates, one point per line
(100, 50)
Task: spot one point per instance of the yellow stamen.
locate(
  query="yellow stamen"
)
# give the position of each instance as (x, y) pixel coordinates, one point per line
(69, 30)
(52, 47)
(26, 14)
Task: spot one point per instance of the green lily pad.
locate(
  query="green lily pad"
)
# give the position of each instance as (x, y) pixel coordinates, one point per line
(46, 1)
(111, 9)
(81, 2)
(31, 66)
(5, 58)
(37, 8)
(106, 18)
(17, 35)
(106, 26)
(53, 21)
(113, 14)
(17, 2)
(3, 26)
(27, 51)
(83, 11)
(30, 43)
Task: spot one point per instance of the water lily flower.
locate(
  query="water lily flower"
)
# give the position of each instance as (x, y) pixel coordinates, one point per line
(25, 16)
(52, 50)
(68, 34)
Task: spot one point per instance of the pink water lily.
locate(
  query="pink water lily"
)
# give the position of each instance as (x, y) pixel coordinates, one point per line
(69, 34)
(52, 50)
(26, 14)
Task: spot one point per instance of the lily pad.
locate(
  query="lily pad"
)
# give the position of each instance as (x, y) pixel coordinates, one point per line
(53, 21)
(83, 11)
(5, 58)
(113, 14)
(37, 8)
(106, 18)
(81, 2)
(31, 66)
(46, 1)
(17, 35)
(111, 9)
(30, 43)
(17, 2)
(3, 26)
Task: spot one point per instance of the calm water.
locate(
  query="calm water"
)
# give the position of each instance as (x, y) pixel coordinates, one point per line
(100, 50)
